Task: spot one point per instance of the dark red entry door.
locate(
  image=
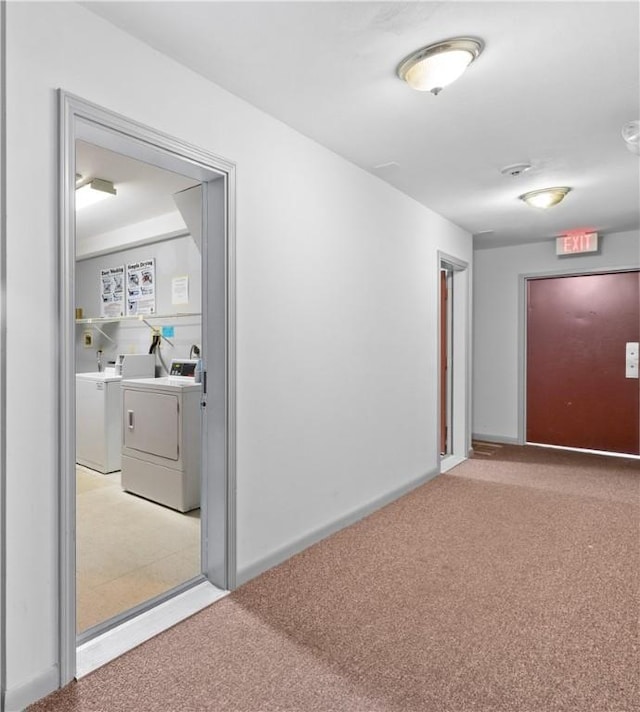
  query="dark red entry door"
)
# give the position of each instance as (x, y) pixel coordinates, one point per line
(577, 392)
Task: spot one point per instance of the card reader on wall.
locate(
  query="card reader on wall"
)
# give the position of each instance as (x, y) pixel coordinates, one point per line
(183, 367)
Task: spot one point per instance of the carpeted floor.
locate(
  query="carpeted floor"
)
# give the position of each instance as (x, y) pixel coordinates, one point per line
(509, 584)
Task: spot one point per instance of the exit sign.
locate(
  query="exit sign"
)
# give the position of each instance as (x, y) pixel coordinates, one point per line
(577, 243)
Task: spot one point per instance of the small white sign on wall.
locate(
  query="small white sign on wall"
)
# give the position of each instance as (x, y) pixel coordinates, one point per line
(180, 290)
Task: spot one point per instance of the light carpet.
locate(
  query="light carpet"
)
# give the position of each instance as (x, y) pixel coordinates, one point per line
(509, 584)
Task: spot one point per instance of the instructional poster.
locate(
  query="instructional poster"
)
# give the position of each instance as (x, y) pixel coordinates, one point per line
(141, 287)
(112, 291)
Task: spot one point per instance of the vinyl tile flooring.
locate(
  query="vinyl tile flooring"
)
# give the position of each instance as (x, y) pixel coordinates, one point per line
(128, 548)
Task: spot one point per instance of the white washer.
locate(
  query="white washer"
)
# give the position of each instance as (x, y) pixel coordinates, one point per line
(162, 440)
(98, 421)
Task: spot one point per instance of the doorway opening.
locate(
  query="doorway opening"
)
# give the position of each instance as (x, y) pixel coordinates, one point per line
(454, 401)
(446, 358)
(138, 309)
(146, 375)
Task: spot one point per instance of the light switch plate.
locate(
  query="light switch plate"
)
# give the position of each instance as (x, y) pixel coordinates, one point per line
(631, 360)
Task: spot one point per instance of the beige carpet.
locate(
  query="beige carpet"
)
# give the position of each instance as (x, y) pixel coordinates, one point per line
(508, 585)
(128, 549)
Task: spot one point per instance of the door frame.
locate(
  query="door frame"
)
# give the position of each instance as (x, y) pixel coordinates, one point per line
(445, 334)
(460, 359)
(523, 279)
(3, 342)
(80, 119)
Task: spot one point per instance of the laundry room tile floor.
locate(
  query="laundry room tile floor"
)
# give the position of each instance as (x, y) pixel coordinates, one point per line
(128, 549)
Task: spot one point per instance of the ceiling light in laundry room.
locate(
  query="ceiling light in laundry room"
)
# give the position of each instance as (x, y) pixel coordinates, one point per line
(544, 198)
(93, 191)
(436, 66)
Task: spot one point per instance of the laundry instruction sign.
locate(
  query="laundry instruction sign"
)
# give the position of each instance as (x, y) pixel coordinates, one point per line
(112, 291)
(141, 287)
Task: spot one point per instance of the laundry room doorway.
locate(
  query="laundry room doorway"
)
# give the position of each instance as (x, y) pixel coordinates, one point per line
(146, 373)
(138, 310)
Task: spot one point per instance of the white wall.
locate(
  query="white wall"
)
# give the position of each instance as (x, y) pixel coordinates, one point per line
(496, 319)
(336, 310)
(175, 257)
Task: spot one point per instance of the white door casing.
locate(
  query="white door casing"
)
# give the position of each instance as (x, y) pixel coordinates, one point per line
(79, 119)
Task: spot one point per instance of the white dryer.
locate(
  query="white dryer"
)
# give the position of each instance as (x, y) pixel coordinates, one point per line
(161, 436)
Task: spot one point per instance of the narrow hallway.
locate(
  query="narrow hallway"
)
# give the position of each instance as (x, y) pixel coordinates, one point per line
(507, 585)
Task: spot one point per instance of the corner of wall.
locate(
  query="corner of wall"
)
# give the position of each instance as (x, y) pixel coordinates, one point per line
(18, 698)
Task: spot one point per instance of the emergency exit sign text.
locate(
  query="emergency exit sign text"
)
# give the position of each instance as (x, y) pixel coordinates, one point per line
(576, 243)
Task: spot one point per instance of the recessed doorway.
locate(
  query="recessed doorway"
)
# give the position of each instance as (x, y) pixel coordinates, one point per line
(454, 418)
(446, 359)
(138, 309)
(147, 343)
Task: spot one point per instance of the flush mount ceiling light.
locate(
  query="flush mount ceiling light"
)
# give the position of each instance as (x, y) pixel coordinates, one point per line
(544, 198)
(93, 191)
(631, 135)
(437, 65)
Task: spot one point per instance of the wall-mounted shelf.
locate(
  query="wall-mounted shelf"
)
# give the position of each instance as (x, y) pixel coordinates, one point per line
(97, 321)
(134, 317)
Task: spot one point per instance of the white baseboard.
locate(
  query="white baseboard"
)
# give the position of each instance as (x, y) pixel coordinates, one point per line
(504, 439)
(17, 698)
(448, 462)
(106, 647)
(286, 552)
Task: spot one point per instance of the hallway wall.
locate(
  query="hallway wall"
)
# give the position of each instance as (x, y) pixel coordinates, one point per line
(336, 312)
(496, 320)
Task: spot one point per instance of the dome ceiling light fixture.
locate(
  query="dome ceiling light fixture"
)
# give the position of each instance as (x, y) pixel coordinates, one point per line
(545, 197)
(631, 135)
(434, 67)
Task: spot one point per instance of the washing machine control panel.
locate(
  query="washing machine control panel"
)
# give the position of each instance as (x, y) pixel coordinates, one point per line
(183, 367)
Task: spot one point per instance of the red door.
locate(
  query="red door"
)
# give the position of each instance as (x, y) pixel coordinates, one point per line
(577, 391)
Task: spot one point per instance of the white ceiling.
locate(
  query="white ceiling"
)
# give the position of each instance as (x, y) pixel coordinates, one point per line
(143, 191)
(554, 86)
